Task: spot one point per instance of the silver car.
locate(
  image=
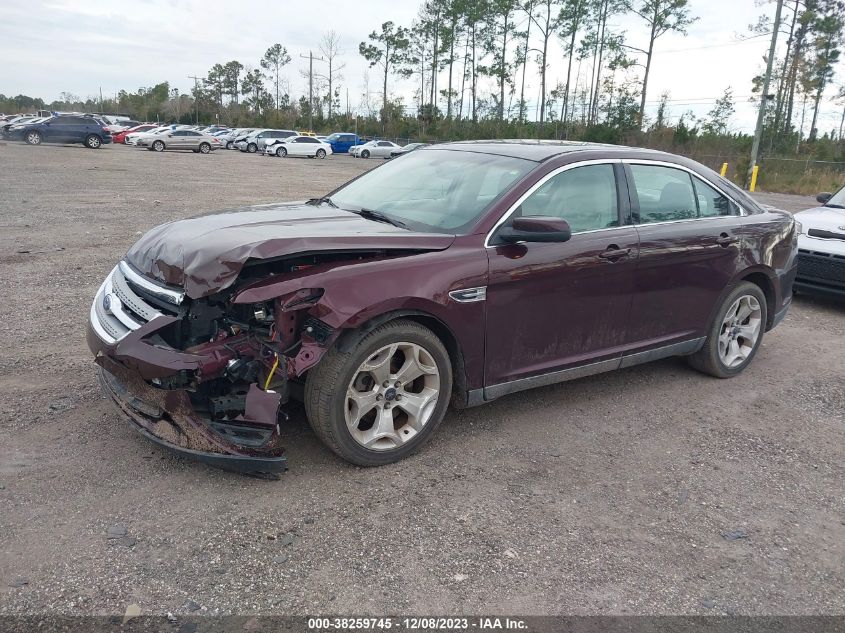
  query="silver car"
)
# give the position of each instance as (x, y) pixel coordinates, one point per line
(376, 149)
(180, 139)
(258, 139)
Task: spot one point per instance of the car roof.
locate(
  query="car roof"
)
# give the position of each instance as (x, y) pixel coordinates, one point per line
(541, 150)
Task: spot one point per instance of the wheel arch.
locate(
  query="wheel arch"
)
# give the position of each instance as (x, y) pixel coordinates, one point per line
(350, 337)
(764, 281)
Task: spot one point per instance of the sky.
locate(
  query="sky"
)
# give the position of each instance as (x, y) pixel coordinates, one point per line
(84, 46)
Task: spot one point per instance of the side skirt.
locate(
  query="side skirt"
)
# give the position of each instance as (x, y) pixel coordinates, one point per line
(476, 397)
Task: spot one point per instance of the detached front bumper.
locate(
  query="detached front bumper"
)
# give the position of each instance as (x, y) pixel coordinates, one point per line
(168, 419)
(157, 387)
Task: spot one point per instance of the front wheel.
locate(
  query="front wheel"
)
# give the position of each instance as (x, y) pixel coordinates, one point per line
(321, 153)
(34, 137)
(365, 153)
(92, 141)
(158, 146)
(281, 152)
(205, 148)
(229, 145)
(252, 148)
(735, 334)
(380, 401)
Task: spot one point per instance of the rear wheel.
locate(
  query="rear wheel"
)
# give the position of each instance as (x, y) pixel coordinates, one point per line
(205, 148)
(380, 401)
(321, 153)
(158, 146)
(92, 141)
(33, 137)
(735, 334)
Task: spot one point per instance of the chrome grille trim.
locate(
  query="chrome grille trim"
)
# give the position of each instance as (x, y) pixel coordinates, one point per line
(171, 296)
(117, 310)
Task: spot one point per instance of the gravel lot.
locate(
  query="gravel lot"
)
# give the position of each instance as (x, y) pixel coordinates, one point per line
(653, 490)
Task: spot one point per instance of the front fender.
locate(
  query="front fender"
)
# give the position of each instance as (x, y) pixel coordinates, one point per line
(356, 292)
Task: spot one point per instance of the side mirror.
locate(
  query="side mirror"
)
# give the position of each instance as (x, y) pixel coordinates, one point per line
(824, 197)
(537, 228)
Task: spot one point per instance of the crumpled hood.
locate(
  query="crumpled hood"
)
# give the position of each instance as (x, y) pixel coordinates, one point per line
(204, 255)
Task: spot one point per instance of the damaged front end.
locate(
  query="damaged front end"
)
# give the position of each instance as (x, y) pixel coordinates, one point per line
(206, 377)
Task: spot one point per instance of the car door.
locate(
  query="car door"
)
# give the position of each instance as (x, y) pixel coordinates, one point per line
(690, 236)
(383, 149)
(56, 130)
(564, 305)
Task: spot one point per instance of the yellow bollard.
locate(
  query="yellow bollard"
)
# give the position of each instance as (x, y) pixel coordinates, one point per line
(754, 178)
(724, 170)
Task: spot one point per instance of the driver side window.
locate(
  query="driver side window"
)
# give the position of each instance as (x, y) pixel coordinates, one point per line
(584, 196)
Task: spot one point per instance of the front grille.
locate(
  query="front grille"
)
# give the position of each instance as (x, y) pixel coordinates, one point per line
(826, 235)
(822, 267)
(119, 307)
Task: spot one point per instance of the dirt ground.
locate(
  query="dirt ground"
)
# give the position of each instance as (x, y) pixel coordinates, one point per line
(653, 490)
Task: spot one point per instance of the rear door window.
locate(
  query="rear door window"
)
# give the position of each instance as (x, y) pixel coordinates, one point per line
(665, 194)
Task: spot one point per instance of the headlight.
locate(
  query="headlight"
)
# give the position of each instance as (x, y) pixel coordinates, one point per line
(799, 228)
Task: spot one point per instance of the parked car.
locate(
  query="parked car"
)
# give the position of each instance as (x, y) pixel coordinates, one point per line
(341, 142)
(180, 139)
(17, 120)
(120, 126)
(410, 147)
(462, 273)
(257, 140)
(235, 136)
(120, 137)
(64, 129)
(299, 145)
(376, 149)
(821, 246)
(133, 137)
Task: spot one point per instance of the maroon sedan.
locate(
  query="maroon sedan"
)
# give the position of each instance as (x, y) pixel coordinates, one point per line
(459, 274)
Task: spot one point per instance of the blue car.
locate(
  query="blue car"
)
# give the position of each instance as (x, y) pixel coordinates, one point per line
(87, 130)
(342, 141)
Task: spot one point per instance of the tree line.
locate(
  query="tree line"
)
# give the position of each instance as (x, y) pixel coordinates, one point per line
(473, 62)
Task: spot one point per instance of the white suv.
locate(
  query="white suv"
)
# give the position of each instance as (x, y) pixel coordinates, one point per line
(821, 245)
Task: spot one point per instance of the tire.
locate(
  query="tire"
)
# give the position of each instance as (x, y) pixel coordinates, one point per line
(33, 137)
(229, 145)
(365, 153)
(204, 148)
(321, 154)
(252, 148)
(733, 338)
(158, 146)
(281, 152)
(339, 373)
(92, 141)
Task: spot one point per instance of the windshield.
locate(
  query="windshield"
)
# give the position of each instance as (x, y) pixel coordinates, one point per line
(837, 199)
(434, 190)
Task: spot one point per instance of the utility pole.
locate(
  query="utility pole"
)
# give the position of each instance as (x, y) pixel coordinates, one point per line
(310, 57)
(196, 98)
(764, 97)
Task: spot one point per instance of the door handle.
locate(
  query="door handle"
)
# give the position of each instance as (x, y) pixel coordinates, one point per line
(614, 252)
(724, 240)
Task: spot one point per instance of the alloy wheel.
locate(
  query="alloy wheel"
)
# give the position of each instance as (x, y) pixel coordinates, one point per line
(740, 331)
(33, 138)
(392, 396)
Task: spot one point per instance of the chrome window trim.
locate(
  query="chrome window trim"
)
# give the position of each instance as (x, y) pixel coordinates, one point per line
(540, 183)
(171, 296)
(662, 163)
